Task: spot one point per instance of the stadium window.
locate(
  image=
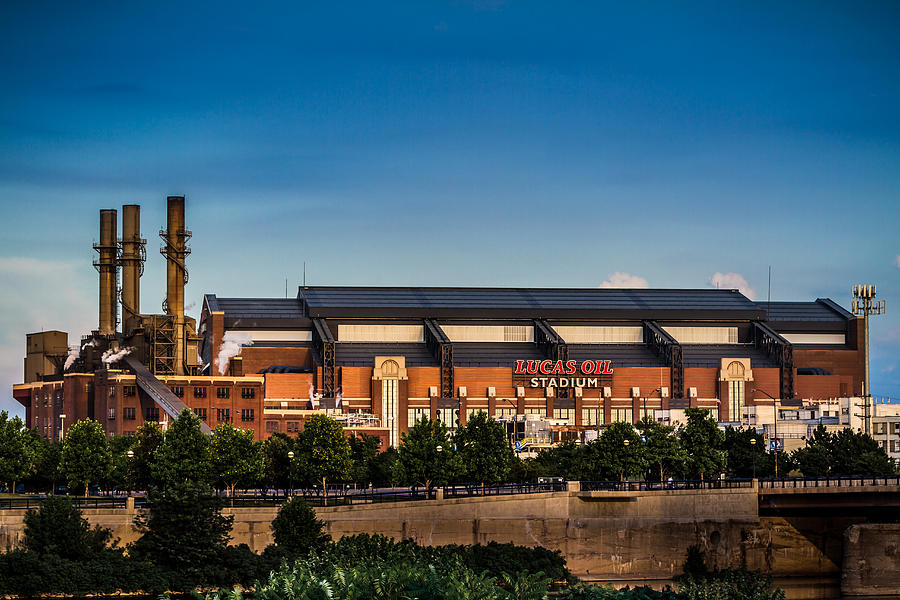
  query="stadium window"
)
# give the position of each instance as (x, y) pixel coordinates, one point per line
(247, 393)
(223, 392)
(504, 412)
(199, 392)
(621, 414)
(415, 414)
(247, 414)
(471, 412)
(111, 414)
(591, 417)
(151, 414)
(129, 390)
(648, 412)
(565, 413)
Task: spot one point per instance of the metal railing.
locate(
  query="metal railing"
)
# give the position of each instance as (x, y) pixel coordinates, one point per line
(829, 482)
(35, 501)
(641, 486)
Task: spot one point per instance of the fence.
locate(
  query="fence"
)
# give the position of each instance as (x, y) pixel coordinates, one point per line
(641, 486)
(828, 482)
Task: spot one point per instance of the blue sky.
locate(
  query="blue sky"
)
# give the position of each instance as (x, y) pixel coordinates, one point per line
(461, 143)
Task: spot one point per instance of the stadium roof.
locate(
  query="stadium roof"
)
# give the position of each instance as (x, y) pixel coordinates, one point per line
(527, 303)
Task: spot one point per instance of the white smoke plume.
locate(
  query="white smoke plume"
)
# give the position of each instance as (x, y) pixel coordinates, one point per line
(74, 353)
(231, 347)
(113, 356)
(339, 398)
(898, 261)
(732, 281)
(624, 280)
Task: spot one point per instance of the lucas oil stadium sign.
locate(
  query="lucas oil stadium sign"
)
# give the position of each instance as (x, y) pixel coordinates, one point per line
(563, 374)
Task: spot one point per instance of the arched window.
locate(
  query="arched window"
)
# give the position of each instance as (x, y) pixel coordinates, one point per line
(735, 373)
(390, 399)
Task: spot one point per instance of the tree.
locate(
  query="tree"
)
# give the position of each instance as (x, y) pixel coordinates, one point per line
(662, 447)
(183, 455)
(363, 454)
(58, 528)
(276, 465)
(567, 459)
(745, 458)
(183, 528)
(425, 456)
(384, 469)
(325, 450)
(296, 529)
(147, 442)
(844, 453)
(16, 460)
(702, 440)
(119, 473)
(234, 457)
(47, 457)
(85, 456)
(483, 450)
(610, 457)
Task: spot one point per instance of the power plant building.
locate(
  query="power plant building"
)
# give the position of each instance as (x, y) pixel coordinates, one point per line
(379, 358)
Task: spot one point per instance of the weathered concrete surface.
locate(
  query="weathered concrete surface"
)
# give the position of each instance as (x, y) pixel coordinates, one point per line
(871, 561)
(620, 537)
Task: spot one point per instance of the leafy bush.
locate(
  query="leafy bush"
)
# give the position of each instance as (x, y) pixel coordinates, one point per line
(58, 528)
(296, 528)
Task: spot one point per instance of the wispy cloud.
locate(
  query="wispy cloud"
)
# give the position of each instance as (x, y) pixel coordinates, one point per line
(624, 280)
(897, 261)
(734, 281)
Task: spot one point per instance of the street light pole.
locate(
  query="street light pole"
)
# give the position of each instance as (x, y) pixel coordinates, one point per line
(753, 455)
(775, 409)
(290, 456)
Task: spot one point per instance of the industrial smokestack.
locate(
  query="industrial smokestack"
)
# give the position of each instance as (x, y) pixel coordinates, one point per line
(175, 250)
(106, 266)
(132, 261)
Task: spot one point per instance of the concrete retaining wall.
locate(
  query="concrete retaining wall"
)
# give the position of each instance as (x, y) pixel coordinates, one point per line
(622, 537)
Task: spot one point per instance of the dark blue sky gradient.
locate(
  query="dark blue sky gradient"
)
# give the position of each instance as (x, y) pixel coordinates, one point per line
(462, 143)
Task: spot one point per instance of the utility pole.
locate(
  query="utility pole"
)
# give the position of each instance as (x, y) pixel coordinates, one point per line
(864, 304)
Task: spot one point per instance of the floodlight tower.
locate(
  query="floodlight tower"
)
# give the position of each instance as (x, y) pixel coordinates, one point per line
(864, 304)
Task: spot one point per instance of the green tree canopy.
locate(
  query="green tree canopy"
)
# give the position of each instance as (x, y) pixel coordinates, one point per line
(85, 456)
(324, 450)
(276, 466)
(483, 450)
(58, 528)
(183, 529)
(609, 457)
(17, 461)
(148, 440)
(119, 446)
(744, 456)
(234, 457)
(296, 529)
(702, 440)
(47, 456)
(845, 453)
(419, 461)
(662, 448)
(184, 453)
(363, 453)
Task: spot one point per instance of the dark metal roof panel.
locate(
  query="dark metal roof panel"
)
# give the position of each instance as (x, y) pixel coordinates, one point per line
(362, 354)
(512, 303)
(261, 308)
(621, 355)
(711, 355)
(805, 311)
(493, 354)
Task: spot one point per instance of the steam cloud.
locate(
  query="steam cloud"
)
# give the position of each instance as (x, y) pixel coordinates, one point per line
(733, 281)
(74, 353)
(231, 347)
(624, 280)
(113, 356)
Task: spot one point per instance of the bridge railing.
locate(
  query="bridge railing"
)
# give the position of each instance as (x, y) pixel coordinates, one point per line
(683, 484)
(828, 482)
